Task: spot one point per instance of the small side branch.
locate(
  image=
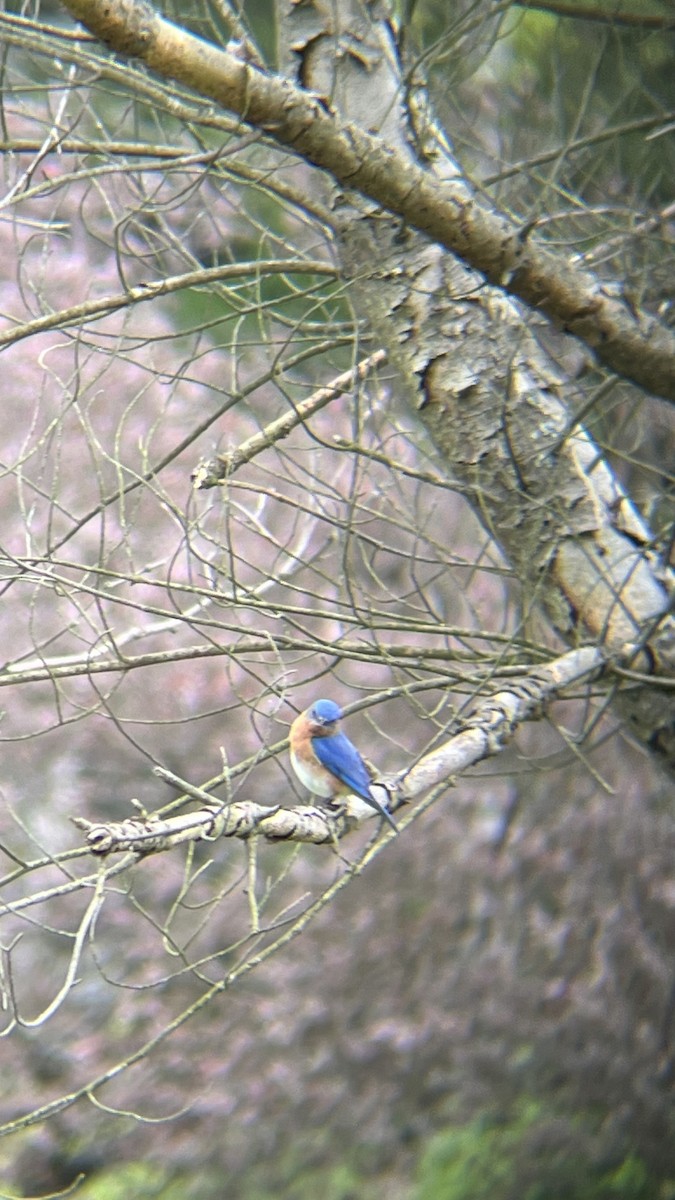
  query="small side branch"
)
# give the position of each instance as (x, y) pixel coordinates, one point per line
(218, 470)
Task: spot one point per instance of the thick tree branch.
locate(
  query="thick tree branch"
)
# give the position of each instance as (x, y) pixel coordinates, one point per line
(634, 345)
(483, 732)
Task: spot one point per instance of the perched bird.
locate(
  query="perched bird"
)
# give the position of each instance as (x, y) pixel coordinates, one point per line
(325, 760)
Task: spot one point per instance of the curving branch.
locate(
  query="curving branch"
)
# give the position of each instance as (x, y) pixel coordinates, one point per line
(103, 306)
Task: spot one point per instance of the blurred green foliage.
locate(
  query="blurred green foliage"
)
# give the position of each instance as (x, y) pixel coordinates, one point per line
(533, 1157)
(555, 79)
(149, 1181)
(578, 77)
(146, 1181)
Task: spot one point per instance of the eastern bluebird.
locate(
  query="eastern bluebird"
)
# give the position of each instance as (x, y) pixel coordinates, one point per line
(325, 760)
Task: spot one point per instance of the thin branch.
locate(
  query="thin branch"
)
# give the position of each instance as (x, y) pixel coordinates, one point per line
(218, 470)
(91, 310)
(86, 925)
(573, 145)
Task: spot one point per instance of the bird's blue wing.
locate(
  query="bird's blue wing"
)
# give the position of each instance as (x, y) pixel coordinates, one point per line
(343, 760)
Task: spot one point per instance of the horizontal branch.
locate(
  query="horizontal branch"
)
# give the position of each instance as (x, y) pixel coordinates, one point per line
(450, 661)
(482, 733)
(633, 344)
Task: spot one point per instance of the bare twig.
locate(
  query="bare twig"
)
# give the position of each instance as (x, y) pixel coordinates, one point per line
(218, 470)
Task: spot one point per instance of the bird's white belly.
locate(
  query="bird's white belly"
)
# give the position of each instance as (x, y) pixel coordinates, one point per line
(313, 780)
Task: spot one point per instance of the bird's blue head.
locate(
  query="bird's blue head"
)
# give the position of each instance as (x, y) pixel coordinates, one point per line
(325, 712)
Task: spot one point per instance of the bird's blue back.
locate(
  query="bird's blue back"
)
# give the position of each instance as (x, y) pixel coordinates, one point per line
(341, 757)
